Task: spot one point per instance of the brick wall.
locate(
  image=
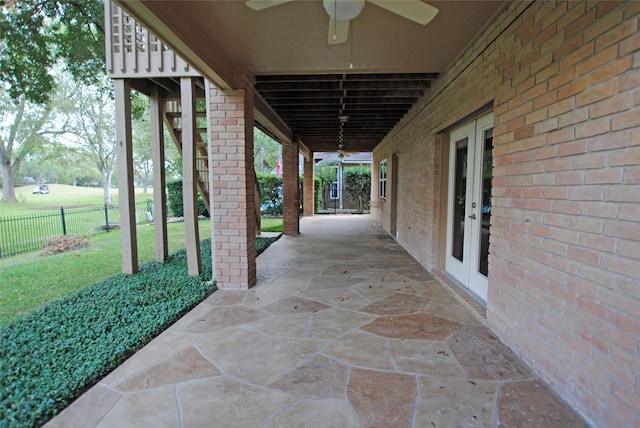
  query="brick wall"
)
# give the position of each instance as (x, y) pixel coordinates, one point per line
(564, 278)
(232, 196)
(309, 196)
(290, 188)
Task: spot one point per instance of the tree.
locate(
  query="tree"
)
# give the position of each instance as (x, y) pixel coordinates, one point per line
(357, 183)
(266, 151)
(24, 128)
(36, 34)
(327, 174)
(38, 167)
(91, 130)
(141, 124)
(142, 154)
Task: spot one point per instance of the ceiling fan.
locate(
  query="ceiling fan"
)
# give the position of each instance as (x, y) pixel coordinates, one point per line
(342, 11)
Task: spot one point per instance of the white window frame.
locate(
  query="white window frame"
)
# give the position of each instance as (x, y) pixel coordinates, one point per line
(333, 191)
(382, 179)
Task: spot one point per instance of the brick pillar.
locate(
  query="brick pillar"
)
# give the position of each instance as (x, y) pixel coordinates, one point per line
(308, 205)
(232, 192)
(290, 189)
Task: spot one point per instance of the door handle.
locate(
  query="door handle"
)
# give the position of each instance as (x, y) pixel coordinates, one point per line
(472, 216)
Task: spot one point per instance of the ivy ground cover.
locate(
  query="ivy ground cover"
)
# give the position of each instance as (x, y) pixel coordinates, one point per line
(51, 356)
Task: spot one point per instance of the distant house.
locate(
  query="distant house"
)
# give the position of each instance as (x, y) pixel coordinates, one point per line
(335, 197)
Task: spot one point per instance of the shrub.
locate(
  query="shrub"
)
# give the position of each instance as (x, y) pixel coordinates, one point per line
(51, 356)
(318, 188)
(270, 193)
(175, 201)
(300, 193)
(357, 184)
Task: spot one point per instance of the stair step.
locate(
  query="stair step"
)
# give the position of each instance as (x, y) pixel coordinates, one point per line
(177, 114)
(198, 130)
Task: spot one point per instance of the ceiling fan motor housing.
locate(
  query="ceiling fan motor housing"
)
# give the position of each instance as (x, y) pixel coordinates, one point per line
(343, 10)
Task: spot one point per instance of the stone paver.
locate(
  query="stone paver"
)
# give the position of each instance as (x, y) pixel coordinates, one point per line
(343, 329)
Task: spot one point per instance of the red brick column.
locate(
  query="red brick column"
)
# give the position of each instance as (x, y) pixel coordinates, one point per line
(232, 186)
(290, 188)
(308, 205)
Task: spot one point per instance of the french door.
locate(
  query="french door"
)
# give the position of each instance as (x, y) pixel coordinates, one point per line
(469, 204)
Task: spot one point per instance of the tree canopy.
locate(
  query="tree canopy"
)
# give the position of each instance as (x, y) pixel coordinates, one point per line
(24, 129)
(36, 34)
(266, 151)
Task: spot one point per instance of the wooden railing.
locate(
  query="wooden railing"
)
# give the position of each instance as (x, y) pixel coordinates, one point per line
(132, 51)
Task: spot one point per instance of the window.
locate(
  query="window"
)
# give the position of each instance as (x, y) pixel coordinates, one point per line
(382, 179)
(333, 194)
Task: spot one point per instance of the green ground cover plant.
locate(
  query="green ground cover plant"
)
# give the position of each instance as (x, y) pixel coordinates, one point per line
(54, 354)
(263, 243)
(29, 281)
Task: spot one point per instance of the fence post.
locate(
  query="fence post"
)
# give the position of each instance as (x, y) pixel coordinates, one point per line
(106, 218)
(149, 214)
(64, 224)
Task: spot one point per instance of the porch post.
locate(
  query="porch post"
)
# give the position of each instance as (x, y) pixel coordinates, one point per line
(290, 188)
(159, 179)
(124, 153)
(230, 115)
(308, 204)
(189, 179)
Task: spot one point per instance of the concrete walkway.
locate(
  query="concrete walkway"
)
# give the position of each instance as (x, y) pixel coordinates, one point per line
(343, 329)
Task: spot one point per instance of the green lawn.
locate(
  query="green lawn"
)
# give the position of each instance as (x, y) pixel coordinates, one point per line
(61, 195)
(30, 280)
(271, 224)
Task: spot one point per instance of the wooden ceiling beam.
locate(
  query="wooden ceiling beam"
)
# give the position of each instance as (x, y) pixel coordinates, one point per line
(374, 103)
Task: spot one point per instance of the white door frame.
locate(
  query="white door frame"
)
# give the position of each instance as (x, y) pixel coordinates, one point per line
(467, 271)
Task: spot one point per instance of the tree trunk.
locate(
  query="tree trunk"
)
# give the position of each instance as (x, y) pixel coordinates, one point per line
(145, 181)
(8, 190)
(106, 186)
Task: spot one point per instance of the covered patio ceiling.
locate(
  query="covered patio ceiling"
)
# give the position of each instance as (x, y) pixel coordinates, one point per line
(369, 105)
(373, 79)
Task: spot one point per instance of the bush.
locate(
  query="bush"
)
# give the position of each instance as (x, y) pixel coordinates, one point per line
(51, 356)
(300, 193)
(175, 201)
(357, 184)
(318, 188)
(270, 193)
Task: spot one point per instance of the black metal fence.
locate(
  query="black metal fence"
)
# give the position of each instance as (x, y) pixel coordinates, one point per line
(26, 233)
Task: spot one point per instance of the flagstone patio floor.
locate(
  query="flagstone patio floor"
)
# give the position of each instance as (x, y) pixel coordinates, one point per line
(343, 329)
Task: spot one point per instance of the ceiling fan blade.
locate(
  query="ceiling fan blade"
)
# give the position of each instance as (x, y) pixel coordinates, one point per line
(414, 10)
(258, 5)
(338, 31)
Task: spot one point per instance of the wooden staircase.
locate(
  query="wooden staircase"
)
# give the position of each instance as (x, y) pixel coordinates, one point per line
(173, 121)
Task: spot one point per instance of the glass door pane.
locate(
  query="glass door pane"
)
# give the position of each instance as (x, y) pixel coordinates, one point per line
(460, 191)
(487, 176)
